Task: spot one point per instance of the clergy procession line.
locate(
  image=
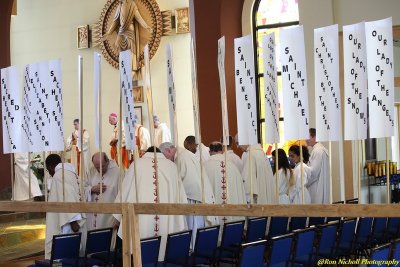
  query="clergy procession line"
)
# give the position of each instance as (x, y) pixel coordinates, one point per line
(174, 176)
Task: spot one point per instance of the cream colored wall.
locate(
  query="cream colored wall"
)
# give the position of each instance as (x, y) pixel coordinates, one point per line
(353, 11)
(46, 29)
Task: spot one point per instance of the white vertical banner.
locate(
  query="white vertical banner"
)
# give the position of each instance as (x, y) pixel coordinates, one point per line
(271, 99)
(96, 91)
(355, 82)
(149, 92)
(43, 94)
(327, 91)
(245, 83)
(31, 106)
(294, 83)
(196, 115)
(222, 83)
(56, 106)
(13, 136)
(128, 111)
(379, 40)
(171, 93)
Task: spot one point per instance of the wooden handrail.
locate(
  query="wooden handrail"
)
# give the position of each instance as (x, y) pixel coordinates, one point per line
(314, 210)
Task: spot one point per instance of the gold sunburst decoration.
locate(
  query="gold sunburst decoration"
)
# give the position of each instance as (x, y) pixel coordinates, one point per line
(150, 13)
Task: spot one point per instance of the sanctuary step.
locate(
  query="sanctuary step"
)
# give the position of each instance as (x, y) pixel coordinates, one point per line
(21, 235)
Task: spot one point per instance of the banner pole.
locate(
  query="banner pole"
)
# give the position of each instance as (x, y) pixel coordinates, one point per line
(302, 173)
(29, 176)
(45, 180)
(81, 161)
(119, 150)
(12, 176)
(359, 169)
(99, 110)
(251, 176)
(276, 174)
(196, 109)
(330, 173)
(63, 172)
(151, 114)
(172, 109)
(387, 170)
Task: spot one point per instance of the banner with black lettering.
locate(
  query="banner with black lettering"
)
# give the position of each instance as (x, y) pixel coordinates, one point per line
(379, 39)
(327, 90)
(171, 94)
(355, 82)
(13, 136)
(294, 83)
(246, 107)
(96, 95)
(271, 99)
(55, 104)
(128, 111)
(43, 97)
(32, 108)
(222, 83)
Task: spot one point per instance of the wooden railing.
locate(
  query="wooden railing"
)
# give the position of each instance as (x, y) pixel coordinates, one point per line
(130, 212)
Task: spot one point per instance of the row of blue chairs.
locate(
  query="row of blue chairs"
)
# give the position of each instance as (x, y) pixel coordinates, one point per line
(322, 239)
(65, 249)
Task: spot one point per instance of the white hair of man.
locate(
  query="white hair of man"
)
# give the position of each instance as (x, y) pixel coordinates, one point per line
(166, 145)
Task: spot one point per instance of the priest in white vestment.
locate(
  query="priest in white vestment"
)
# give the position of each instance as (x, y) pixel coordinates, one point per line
(295, 190)
(225, 179)
(191, 144)
(21, 182)
(285, 175)
(74, 146)
(63, 223)
(169, 191)
(318, 182)
(190, 174)
(108, 183)
(162, 132)
(232, 156)
(257, 172)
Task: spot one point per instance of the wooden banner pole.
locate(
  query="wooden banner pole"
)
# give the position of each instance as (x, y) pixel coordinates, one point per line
(302, 172)
(330, 173)
(63, 172)
(276, 173)
(387, 170)
(81, 160)
(196, 108)
(45, 180)
(99, 115)
(119, 150)
(29, 176)
(251, 176)
(151, 118)
(12, 176)
(359, 169)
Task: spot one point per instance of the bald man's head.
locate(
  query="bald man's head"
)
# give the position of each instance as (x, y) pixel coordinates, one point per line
(97, 157)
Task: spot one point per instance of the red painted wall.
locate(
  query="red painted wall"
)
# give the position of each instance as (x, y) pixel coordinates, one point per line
(5, 20)
(210, 20)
